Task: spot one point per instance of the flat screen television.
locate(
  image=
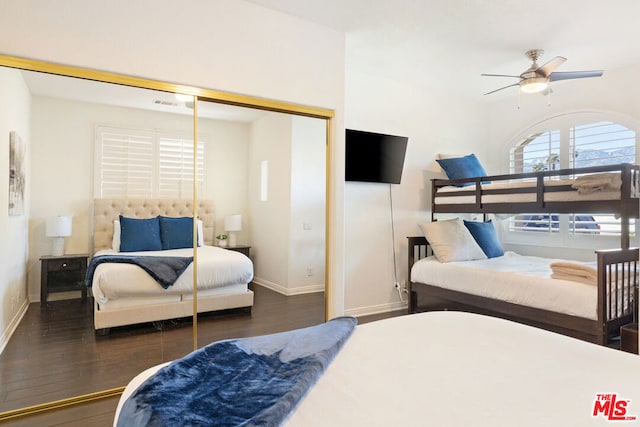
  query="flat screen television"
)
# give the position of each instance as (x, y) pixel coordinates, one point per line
(374, 157)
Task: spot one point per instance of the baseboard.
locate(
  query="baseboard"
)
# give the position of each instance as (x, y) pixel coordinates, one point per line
(13, 325)
(288, 291)
(376, 309)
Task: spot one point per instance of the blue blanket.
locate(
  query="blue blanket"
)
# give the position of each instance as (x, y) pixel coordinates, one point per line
(242, 382)
(165, 270)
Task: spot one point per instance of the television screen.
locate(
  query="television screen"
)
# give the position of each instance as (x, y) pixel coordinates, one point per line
(374, 157)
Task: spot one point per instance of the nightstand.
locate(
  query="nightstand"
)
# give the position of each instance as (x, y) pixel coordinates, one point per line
(243, 249)
(61, 274)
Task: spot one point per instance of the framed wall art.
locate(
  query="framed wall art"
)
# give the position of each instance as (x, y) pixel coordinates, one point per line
(16, 174)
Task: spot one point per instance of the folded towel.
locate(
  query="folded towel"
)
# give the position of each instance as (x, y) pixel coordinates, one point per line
(573, 278)
(586, 184)
(575, 271)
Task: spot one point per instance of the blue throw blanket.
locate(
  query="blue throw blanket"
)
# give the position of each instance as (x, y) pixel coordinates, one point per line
(242, 382)
(165, 270)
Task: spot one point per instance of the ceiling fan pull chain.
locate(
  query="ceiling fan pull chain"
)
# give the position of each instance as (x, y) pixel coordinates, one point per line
(549, 97)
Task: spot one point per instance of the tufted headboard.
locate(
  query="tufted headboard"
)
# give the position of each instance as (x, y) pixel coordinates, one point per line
(107, 210)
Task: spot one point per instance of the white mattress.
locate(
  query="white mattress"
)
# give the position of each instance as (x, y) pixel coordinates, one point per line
(460, 369)
(519, 279)
(557, 196)
(217, 268)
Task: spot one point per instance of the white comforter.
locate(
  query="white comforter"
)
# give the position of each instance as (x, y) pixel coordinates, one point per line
(459, 369)
(217, 267)
(519, 279)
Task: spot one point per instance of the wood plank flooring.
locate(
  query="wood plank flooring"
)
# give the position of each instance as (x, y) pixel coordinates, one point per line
(55, 353)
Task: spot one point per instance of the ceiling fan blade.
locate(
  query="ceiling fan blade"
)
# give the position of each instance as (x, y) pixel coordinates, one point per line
(494, 91)
(548, 68)
(499, 75)
(567, 75)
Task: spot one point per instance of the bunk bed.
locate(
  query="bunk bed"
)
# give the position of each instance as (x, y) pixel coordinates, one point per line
(594, 190)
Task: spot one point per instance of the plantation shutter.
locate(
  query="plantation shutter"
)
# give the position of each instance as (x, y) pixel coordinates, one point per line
(125, 163)
(176, 167)
(538, 152)
(597, 144)
(145, 164)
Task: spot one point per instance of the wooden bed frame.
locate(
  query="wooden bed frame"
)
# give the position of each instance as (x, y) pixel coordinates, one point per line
(626, 207)
(611, 263)
(106, 210)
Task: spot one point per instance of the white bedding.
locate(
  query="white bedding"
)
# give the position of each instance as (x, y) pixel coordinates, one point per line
(217, 267)
(461, 369)
(519, 279)
(556, 196)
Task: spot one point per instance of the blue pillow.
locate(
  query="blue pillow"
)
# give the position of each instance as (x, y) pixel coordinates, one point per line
(176, 233)
(462, 167)
(139, 234)
(486, 237)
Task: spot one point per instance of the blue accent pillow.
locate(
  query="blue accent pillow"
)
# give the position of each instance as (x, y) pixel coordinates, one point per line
(486, 237)
(176, 233)
(462, 167)
(139, 234)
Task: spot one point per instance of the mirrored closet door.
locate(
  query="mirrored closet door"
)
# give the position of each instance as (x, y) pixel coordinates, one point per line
(254, 175)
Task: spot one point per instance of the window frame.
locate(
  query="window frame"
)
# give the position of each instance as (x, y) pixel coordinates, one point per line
(564, 238)
(156, 137)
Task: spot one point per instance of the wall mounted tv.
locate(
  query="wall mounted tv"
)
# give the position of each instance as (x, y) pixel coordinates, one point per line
(374, 157)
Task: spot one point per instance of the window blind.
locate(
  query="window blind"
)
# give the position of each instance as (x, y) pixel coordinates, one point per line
(592, 144)
(145, 164)
(596, 144)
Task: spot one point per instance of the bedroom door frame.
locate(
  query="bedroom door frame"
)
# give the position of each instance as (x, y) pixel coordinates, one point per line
(198, 94)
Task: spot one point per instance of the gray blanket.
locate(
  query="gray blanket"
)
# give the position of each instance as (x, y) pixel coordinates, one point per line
(165, 270)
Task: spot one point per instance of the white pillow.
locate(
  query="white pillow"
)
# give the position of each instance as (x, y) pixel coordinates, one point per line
(452, 241)
(115, 243)
(200, 232)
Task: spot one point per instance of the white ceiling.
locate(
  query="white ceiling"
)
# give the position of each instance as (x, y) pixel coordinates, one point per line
(447, 44)
(41, 84)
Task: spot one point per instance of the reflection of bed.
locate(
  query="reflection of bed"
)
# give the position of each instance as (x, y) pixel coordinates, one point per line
(460, 369)
(125, 294)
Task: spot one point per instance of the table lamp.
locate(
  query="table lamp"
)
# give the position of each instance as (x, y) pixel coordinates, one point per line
(233, 223)
(58, 227)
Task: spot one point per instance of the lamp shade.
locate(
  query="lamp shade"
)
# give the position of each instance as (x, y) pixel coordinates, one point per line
(59, 226)
(233, 222)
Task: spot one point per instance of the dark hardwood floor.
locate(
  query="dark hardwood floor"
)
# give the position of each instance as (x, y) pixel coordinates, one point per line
(55, 353)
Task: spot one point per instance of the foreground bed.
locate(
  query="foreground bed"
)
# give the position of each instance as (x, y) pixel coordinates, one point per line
(460, 369)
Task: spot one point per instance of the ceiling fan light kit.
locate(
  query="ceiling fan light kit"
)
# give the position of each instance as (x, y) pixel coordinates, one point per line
(536, 78)
(534, 84)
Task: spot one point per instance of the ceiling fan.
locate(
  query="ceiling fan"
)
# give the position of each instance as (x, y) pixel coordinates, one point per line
(537, 78)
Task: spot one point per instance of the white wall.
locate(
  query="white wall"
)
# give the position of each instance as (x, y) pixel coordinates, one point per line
(63, 167)
(229, 45)
(269, 219)
(308, 205)
(614, 93)
(435, 123)
(288, 229)
(14, 116)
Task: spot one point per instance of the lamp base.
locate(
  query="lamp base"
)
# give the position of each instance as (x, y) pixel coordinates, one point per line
(232, 239)
(58, 246)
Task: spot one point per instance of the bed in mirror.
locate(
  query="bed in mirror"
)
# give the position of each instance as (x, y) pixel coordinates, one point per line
(67, 116)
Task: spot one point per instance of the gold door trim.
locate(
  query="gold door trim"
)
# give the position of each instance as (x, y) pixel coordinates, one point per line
(200, 94)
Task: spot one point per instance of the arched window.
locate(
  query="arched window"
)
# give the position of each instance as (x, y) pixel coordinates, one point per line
(572, 141)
